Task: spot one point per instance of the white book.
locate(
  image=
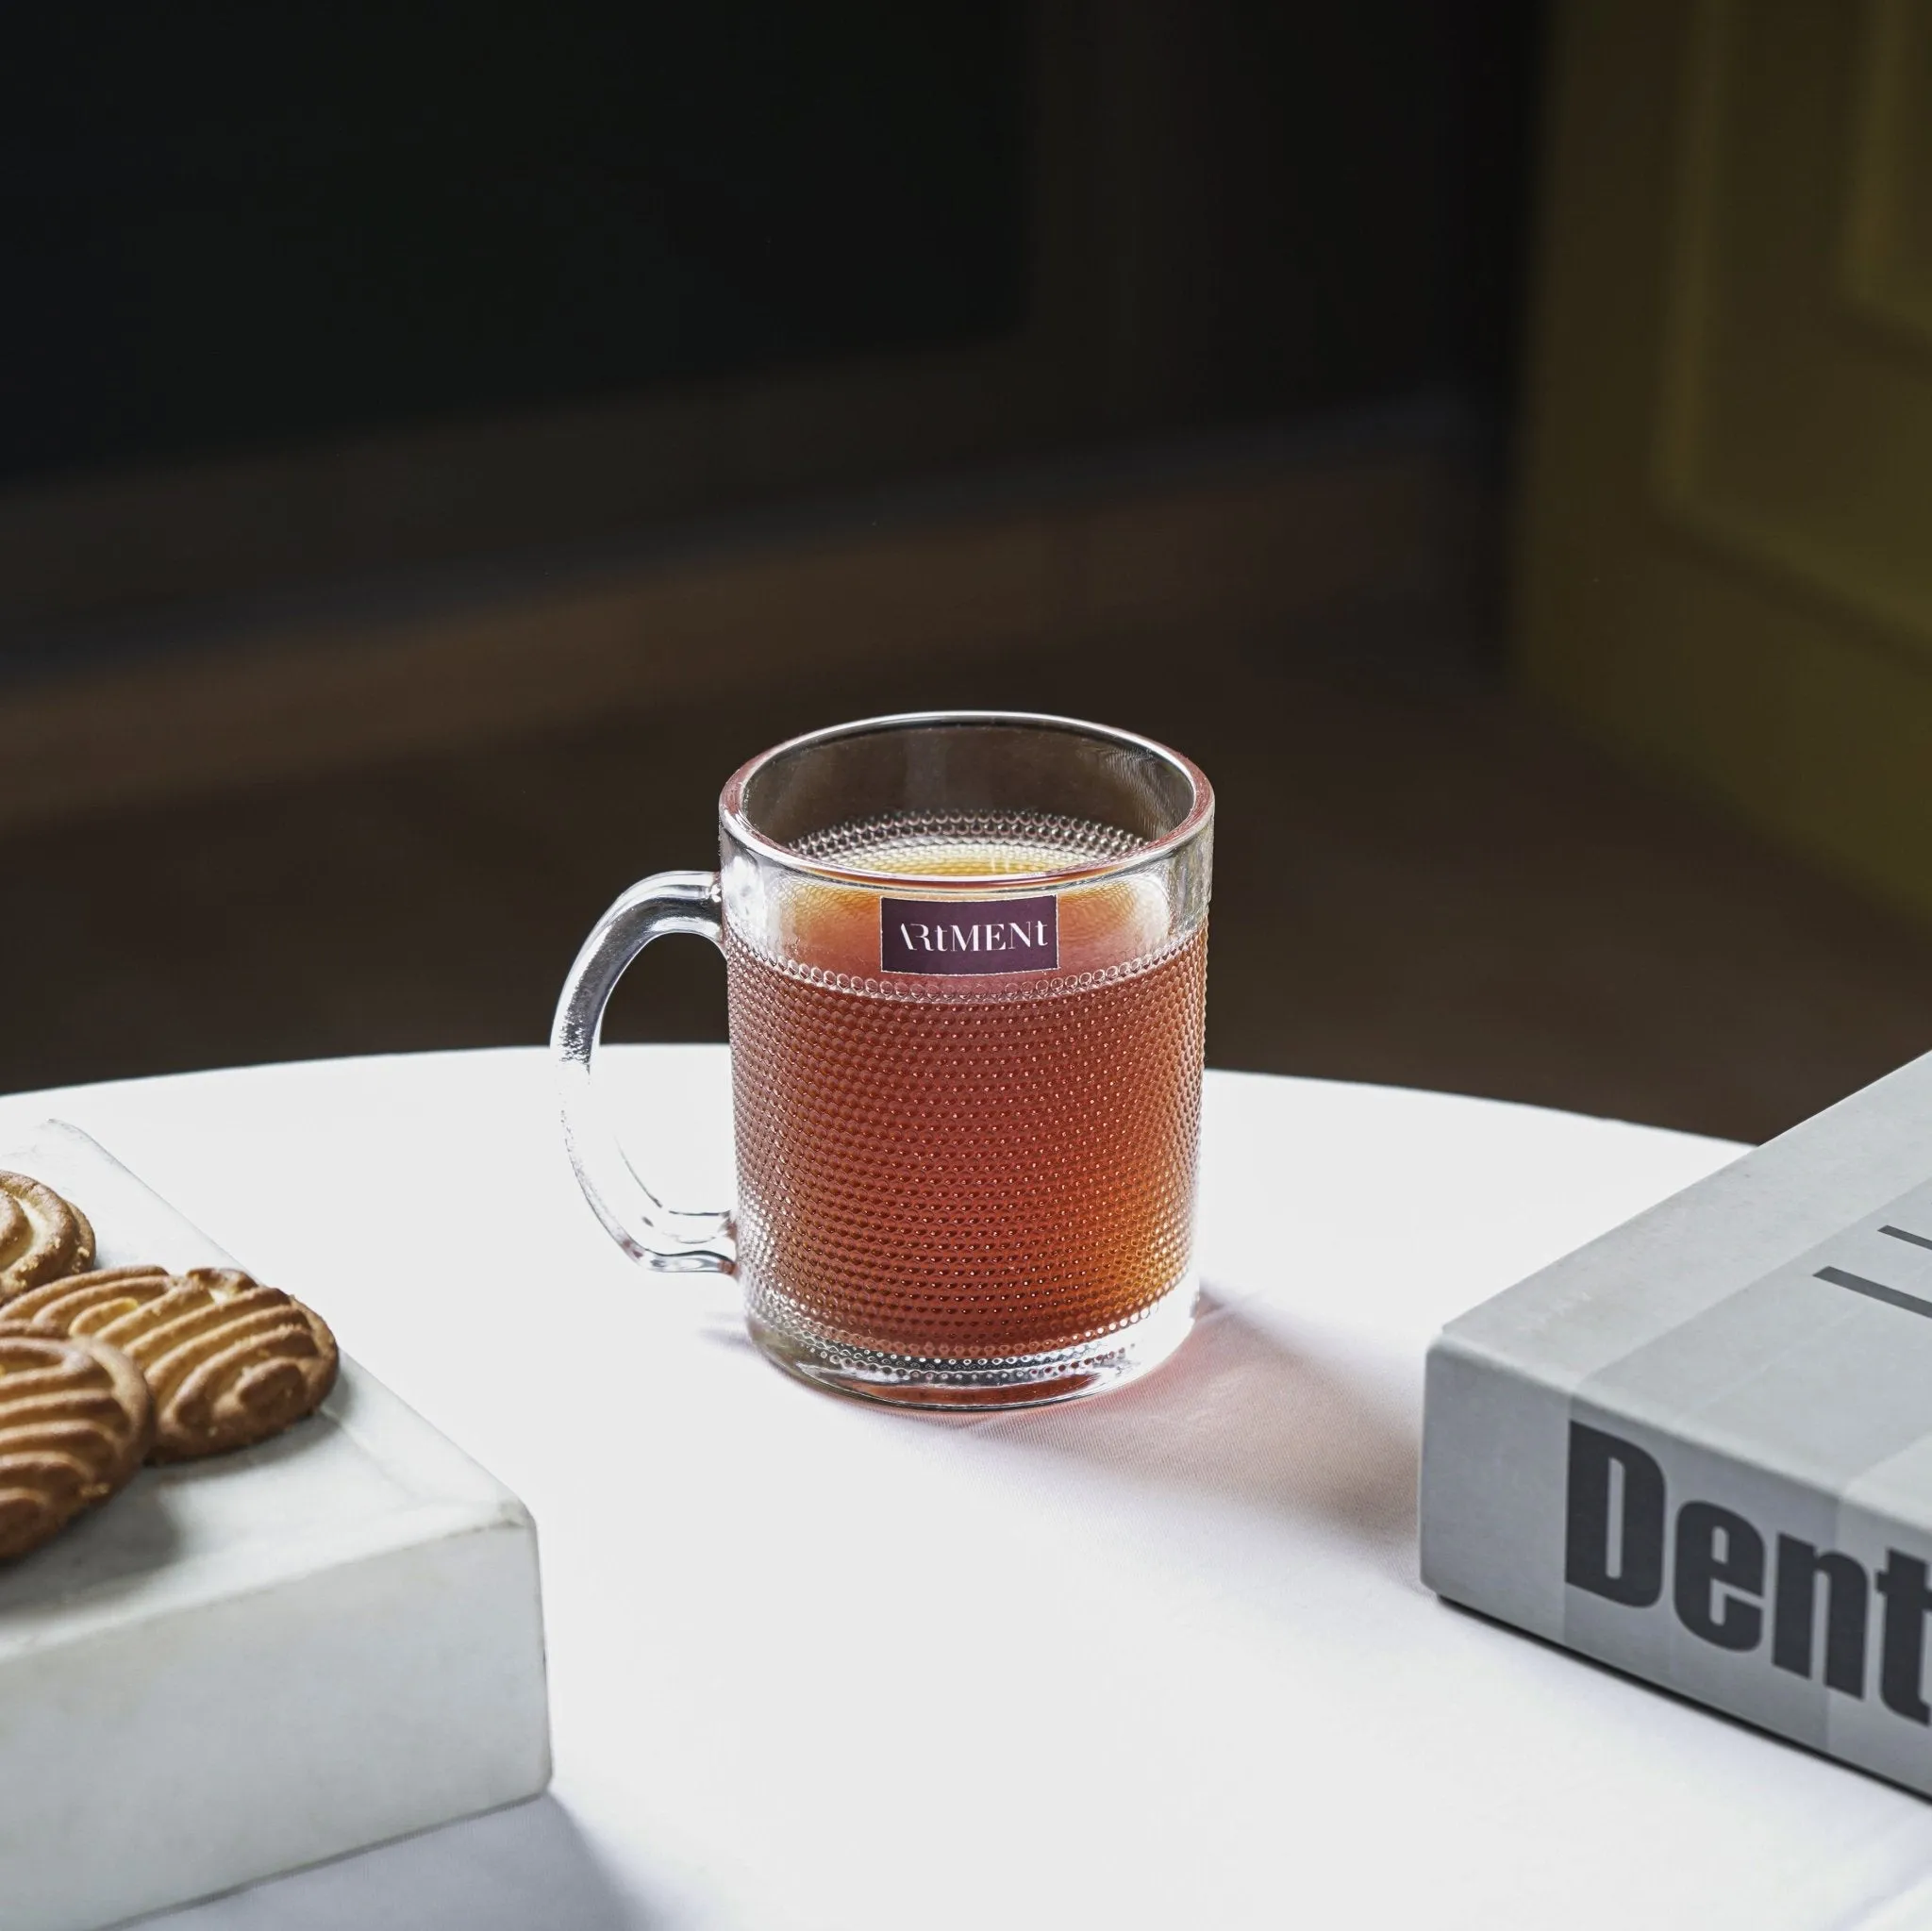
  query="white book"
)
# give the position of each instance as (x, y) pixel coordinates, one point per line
(1700, 1448)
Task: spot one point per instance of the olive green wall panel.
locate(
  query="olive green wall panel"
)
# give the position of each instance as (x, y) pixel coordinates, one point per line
(1725, 551)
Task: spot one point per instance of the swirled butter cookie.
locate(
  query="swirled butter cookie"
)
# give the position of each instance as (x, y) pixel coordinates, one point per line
(229, 1362)
(76, 1421)
(42, 1235)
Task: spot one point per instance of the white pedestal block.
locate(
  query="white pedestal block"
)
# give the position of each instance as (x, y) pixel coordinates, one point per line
(241, 1666)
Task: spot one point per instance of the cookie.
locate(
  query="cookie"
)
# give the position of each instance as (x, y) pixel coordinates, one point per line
(75, 1421)
(42, 1235)
(228, 1361)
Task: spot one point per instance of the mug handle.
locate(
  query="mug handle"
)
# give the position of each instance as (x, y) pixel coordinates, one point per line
(667, 1238)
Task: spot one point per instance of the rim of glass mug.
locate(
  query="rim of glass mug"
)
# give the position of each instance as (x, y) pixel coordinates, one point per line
(1199, 815)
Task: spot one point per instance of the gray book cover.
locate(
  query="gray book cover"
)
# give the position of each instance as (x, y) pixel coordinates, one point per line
(1700, 1448)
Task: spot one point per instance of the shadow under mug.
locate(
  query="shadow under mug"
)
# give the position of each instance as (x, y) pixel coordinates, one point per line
(967, 964)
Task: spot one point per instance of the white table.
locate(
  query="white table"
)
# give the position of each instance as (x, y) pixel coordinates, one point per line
(1157, 1659)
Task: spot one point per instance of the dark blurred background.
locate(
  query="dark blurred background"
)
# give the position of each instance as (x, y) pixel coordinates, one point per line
(438, 443)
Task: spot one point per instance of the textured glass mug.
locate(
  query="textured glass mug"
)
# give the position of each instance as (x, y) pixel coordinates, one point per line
(967, 964)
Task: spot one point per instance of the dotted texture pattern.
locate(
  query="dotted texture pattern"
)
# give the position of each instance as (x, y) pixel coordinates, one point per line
(945, 1177)
(990, 844)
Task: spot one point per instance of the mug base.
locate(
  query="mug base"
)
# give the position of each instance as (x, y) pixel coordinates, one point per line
(1012, 1381)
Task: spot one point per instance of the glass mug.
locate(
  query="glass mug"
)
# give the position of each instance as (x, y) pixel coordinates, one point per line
(966, 954)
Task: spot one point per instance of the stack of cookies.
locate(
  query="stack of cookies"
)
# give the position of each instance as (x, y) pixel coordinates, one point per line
(104, 1369)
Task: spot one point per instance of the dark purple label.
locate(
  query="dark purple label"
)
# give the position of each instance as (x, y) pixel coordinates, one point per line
(954, 935)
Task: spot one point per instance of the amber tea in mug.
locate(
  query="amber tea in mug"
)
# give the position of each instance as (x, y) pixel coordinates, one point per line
(967, 962)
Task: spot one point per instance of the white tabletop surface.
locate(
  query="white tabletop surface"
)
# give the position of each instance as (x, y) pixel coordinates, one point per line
(1158, 1658)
